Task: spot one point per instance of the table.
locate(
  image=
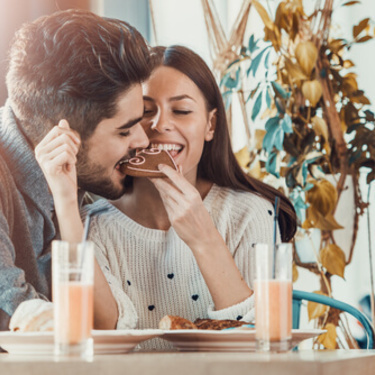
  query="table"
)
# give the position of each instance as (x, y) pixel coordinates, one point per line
(304, 362)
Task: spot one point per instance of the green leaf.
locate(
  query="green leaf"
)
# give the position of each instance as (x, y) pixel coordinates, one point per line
(252, 44)
(266, 59)
(286, 124)
(227, 97)
(279, 138)
(304, 172)
(280, 105)
(231, 83)
(272, 125)
(272, 122)
(256, 61)
(268, 98)
(233, 63)
(257, 106)
(271, 165)
(277, 87)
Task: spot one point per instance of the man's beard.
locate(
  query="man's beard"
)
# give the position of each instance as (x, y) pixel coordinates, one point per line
(92, 178)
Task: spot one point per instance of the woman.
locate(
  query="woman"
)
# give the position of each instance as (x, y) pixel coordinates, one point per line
(180, 245)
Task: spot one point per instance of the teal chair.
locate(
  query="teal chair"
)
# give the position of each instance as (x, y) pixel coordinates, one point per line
(299, 295)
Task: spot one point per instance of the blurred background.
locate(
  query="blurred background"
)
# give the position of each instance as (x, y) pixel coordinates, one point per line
(167, 22)
(177, 22)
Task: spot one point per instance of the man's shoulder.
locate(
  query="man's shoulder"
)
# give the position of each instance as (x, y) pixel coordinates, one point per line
(5, 172)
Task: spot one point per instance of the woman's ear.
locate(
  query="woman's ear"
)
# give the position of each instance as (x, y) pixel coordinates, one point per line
(211, 125)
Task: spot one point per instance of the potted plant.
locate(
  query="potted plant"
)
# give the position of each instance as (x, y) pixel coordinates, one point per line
(318, 132)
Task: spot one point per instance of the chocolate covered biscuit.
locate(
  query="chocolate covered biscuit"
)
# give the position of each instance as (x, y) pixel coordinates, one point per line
(145, 163)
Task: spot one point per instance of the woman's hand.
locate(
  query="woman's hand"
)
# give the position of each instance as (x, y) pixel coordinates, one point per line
(193, 224)
(186, 211)
(56, 155)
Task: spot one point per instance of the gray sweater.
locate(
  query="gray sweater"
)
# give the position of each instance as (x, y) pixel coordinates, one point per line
(26, 225)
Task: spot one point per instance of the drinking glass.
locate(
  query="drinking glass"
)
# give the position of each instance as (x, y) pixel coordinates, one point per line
(72, 288)
(273, 297)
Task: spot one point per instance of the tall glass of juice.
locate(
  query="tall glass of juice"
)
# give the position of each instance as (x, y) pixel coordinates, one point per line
(72, 292)
(273, 297)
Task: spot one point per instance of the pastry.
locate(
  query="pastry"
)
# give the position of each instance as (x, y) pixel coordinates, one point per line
(145, 163)
(32, 315)
(217, 325)
(175, 322)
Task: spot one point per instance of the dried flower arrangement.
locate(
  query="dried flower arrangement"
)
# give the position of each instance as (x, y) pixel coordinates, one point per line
(317, 124)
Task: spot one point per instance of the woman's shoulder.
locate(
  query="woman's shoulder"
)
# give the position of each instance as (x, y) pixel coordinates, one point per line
(241, 199)
(238, 206)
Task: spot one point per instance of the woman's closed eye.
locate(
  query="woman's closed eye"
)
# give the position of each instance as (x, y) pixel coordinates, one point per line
(181, 112)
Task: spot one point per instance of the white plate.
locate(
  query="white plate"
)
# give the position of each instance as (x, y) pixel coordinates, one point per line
(227, 340)
(105, 342)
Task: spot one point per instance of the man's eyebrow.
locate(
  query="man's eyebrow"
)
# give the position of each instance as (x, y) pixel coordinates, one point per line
(130, 123)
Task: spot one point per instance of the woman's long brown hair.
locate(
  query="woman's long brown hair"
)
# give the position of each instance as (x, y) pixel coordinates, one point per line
(218, 163)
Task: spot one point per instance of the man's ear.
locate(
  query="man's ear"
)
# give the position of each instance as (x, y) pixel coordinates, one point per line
(211, 125)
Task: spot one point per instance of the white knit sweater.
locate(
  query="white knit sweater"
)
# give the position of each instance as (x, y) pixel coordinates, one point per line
(153, 273)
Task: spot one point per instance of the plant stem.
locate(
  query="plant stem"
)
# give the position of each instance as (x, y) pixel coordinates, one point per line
(370, 259)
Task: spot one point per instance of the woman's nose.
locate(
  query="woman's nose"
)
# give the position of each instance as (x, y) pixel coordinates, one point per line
(161, 123)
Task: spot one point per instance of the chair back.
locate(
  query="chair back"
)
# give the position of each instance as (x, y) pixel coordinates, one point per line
(299, 295)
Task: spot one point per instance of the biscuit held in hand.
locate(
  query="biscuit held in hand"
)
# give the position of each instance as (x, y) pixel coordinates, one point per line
(145, 163)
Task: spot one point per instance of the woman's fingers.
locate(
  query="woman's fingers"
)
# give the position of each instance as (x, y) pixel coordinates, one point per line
(167, 189)
(56, 131)
(61, 140)
(177, 178)
(57, 160)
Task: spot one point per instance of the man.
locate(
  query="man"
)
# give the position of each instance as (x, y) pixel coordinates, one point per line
(82, 72)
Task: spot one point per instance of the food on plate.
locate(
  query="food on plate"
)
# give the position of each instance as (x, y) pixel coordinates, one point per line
(175, 322)
(170, 322)
(217, 325)
(145, 163)
(32, 315)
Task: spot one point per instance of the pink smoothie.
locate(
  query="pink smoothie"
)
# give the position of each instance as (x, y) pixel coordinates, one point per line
(273, 309)
(75, 315)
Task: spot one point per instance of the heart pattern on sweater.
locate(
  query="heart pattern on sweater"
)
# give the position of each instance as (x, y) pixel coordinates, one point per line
(151, 307)
(170, 276)
(195, 297)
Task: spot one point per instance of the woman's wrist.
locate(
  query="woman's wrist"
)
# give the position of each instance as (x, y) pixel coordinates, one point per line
(67, 206)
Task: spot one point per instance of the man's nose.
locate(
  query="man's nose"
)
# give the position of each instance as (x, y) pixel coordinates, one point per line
(140, 139)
